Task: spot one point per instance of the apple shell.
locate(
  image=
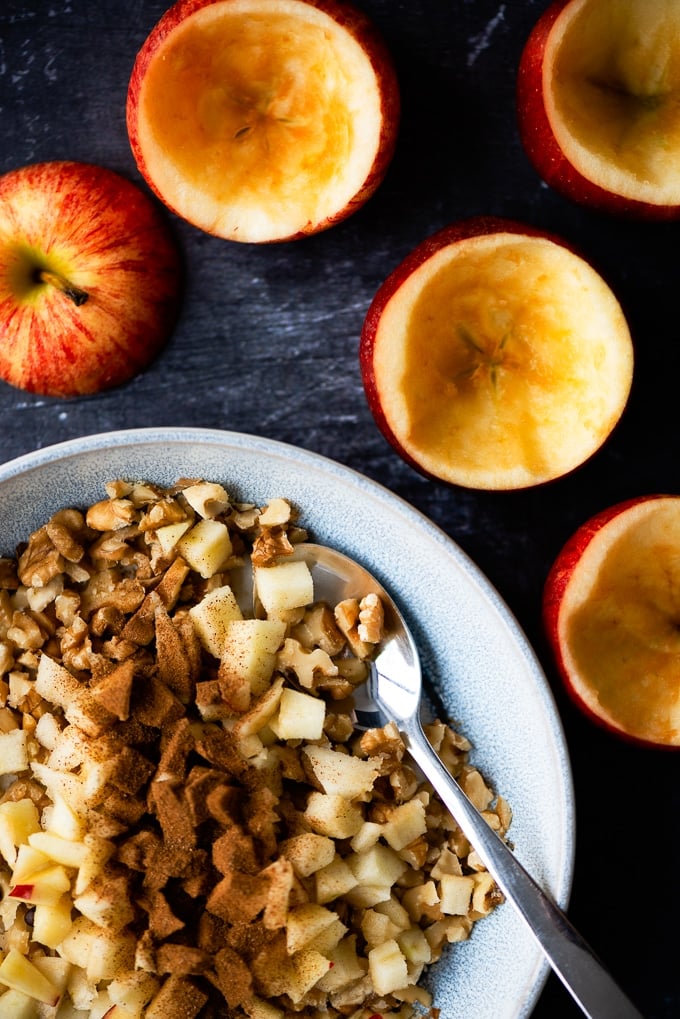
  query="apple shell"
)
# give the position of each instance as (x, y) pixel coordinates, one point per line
(233, 213)
(538, 138)
(557, 581)
(474, 228)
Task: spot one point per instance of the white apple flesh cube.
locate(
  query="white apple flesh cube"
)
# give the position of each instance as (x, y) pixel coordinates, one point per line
(340, 773)
(44, 886)
(387, 967)
(300, 716)
(346, 967)
(313, 924)
(206, 547)
(211, 617)
(405, 824)
(51, 923)
(249, 651)
(379, 865)
(308, 853)
(18, 973)
(54, 682)
(455, 894)
(17, 1005)
(13, 752)
(169, 535)
(333, 815)
(333, 880)
(284, 586)
(63, 851)
(18, 820)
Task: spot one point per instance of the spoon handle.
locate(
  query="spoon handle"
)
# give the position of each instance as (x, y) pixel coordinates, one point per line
(572, 959)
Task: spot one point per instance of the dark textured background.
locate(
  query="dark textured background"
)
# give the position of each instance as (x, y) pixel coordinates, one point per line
(267, 343)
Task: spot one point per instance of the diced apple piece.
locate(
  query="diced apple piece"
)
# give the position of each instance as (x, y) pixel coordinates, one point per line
(250, 650)
(206, 547)
(13, 752)
(379, 865)
(333, 880)
(19, 974)
(346, 966)
(58, 783)
(259, 1009)
(45, 886)
(367, 836)
(99, 850)
(47, 731)
(300, 716)
(333, 815)
(28, 862)
(312, 924)
(284, 586)
(69, 854)
(61, 820)
(455, 893)
(207, 498)
(387, 967)
(56, 969)
(396, 912)
(422, 900)
(168, 535)
(18, 819)
(103, 954)
(308, 852)
(106, 902)
(54, 682)
(17, 1005)
(133, 990)
(337, 772)
(51, 923)
(377, 927)
(260, 714)
(415, 947)
(307, 967)
(405, 824)
(211, 616)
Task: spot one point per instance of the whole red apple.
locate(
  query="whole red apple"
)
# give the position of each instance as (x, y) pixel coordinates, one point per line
(495, 357)
(611, 611)
(263, 120)
(597, 108)
(90, 279)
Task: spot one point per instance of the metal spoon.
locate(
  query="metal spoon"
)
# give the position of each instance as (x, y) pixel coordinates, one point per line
(393, 692)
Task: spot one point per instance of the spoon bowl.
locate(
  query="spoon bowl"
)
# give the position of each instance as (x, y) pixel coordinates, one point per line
(393, 692)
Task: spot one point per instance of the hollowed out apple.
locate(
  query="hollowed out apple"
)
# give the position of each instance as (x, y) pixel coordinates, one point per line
(494, 357)
(611, 610)
(598, 99)
(263, 120)
(90, 279)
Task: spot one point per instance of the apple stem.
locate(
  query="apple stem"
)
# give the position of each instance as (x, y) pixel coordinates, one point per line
(67, 288)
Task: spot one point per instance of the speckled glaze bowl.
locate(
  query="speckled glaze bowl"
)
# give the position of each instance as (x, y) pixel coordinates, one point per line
(476, 660)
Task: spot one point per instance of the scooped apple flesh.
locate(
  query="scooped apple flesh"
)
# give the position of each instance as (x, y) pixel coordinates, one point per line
(618, 628)
(612, 95)
(501, 362)
(258, 122)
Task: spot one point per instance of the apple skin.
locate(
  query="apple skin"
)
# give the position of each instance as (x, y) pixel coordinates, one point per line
(357, 25)
(556, 582)
(101, 231)
(541, 146)
(473, 226)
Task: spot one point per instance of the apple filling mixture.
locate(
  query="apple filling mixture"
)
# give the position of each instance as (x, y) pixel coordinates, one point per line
(190, 825)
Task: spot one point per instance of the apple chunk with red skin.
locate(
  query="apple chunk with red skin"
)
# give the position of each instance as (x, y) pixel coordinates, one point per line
(598, 103)
(611, 610)
(90, 279)
(263, 120)
(495, 357)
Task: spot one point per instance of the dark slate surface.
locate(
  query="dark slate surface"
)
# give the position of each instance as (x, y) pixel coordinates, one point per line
(267, 343)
